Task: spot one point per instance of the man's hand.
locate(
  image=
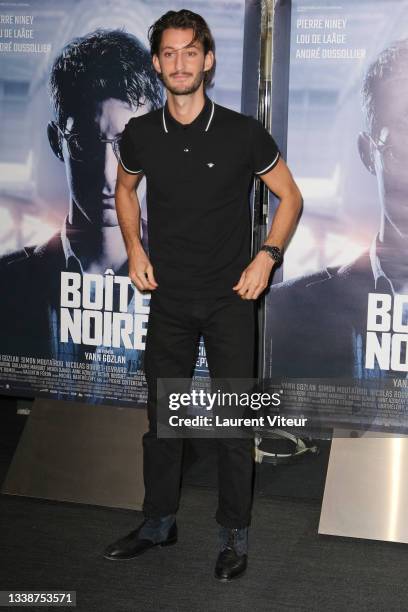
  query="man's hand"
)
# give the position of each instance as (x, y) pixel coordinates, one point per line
(141, 270)
(254, 279)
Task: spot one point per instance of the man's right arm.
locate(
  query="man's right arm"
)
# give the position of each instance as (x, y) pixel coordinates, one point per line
(128, 211)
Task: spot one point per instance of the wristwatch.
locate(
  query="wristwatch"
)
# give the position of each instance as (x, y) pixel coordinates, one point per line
(274, 252)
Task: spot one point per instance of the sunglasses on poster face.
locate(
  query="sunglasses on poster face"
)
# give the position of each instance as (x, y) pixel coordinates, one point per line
(393, 150)
(84, 148)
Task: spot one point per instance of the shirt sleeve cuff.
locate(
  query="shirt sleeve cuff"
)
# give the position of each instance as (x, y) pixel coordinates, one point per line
(128, 169)
(269, 166)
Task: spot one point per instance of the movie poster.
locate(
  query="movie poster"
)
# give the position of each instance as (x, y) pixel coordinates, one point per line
(72, 326)
(336, 330)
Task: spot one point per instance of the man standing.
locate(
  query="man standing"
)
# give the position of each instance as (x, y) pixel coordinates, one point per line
(199, 159)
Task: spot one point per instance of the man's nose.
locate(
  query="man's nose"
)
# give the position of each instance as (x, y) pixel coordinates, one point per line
(179, 61)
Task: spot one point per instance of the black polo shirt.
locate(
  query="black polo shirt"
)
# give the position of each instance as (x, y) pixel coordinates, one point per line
(198, 179)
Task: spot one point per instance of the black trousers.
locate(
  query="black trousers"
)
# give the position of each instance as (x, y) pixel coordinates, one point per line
(227, 325)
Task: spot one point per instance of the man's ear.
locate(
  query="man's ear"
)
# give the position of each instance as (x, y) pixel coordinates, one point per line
(365, 148)
(156, 64)
(209, 61)
(54, 140)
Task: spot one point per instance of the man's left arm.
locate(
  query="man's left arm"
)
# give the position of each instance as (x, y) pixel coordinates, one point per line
(254, 279)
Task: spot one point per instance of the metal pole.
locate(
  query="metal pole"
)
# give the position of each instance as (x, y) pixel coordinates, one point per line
(261, 194)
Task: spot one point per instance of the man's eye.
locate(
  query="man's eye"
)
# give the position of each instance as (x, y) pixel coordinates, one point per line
(167, 54)
(192, 53)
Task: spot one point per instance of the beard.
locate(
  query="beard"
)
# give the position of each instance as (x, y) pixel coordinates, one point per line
(183, 89)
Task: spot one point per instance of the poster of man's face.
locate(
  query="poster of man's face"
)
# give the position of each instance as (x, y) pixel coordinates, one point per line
(90, 170)
(92, 102)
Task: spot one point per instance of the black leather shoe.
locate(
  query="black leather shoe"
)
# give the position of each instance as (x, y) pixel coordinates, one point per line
(230, 565)
(232, 559)
(132, 546)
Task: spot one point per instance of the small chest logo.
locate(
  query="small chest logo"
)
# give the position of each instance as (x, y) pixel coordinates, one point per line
(210, 164)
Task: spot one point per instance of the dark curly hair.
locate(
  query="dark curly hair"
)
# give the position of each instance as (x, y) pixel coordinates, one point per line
(184, 19)
(102, 64)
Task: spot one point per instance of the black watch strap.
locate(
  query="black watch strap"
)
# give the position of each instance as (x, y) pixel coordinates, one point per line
(274, 252)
